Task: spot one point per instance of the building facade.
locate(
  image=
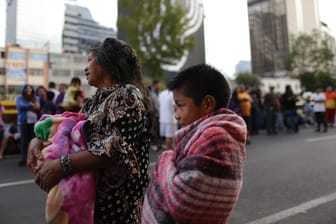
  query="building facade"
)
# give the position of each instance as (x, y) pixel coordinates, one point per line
(271, 23)
(30, 54)
(331, 42)
(28, 24)
(37, 67)
(21, 65)
(80, 31)
(243, 67)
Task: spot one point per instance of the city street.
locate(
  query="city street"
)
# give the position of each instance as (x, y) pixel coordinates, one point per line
(289, 178)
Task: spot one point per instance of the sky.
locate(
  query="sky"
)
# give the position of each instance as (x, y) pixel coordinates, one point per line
(225, 26)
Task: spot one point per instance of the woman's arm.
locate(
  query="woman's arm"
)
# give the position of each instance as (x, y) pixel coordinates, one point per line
(51, 171)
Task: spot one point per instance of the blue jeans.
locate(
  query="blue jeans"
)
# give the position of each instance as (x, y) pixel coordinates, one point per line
(291, 120)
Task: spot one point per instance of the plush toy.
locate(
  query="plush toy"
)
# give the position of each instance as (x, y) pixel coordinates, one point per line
(72, 200)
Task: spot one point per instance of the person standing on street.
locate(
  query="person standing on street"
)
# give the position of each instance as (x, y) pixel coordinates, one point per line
(200, 180)
(319, 109)
(272, 107)
(28, 106)
(117, 136)
(168, 123)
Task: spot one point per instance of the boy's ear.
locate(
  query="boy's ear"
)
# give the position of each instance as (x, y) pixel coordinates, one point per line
(209, 104)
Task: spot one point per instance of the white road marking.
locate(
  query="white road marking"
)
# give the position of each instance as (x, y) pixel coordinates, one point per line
(320, 138)
(15, 183)
(295, 210)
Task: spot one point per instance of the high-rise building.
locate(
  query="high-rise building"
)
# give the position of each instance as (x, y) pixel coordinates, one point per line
(243, 67)
(271, 24)
(34, 54)
(73, 31)
(331, 42)
(80, 31)
(29, 29)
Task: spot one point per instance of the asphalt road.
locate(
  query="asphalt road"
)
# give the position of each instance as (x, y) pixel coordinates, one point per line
(288, 178)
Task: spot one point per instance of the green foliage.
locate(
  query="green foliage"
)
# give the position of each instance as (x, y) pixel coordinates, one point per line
(248, 79)
(325, 80)
(156, 30)
(308, 79)
(309, 53)
(312, 80)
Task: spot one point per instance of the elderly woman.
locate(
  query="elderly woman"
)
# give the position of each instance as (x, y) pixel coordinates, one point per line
(118, 136)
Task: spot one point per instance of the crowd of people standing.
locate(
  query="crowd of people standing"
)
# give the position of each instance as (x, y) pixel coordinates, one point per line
(31, 104)
(277, 111)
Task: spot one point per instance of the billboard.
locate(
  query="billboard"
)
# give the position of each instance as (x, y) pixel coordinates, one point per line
(16, 64)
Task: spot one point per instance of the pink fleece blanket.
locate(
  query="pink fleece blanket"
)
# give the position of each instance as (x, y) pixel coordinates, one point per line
(72, 200)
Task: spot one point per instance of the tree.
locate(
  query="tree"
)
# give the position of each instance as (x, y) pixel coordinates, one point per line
(325, 80)
(309, 53)
(312, 80)
(248, 79)
(309, 80)
(156, 30)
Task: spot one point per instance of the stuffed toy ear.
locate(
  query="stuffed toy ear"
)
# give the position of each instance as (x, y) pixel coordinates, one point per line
(42, 128)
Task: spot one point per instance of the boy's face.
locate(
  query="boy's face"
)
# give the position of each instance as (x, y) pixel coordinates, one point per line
(186, 111)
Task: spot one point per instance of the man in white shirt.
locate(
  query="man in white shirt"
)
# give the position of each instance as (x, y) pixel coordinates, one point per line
(318, 97)
(52, 87)
(168, 123)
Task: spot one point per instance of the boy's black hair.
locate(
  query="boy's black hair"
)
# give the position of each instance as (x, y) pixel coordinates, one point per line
(52, 84)
(75, 81)
(200, 80)
(155, 81)
(50, 95)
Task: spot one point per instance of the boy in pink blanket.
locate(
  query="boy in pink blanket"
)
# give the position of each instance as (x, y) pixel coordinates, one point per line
(72, 200)
(200, 181)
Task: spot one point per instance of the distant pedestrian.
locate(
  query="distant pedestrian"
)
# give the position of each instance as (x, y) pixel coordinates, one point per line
(234, 103)
(52, 87)
(168, 123)
(330, 106)
(245, 100)
(28, 106)
(41, 92)
(288, 106)
(272, 106)
(49, 106)
(318, 97)
(12, 133)
(2, 129)
(69, 97)
(59, 100)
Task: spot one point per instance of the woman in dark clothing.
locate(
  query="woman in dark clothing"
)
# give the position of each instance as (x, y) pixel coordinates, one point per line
(118, 136)
(288, 106)
(234, 103)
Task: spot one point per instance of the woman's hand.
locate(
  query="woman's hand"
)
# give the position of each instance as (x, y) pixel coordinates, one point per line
(49, 174)
(35, 158)
(34, 154)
